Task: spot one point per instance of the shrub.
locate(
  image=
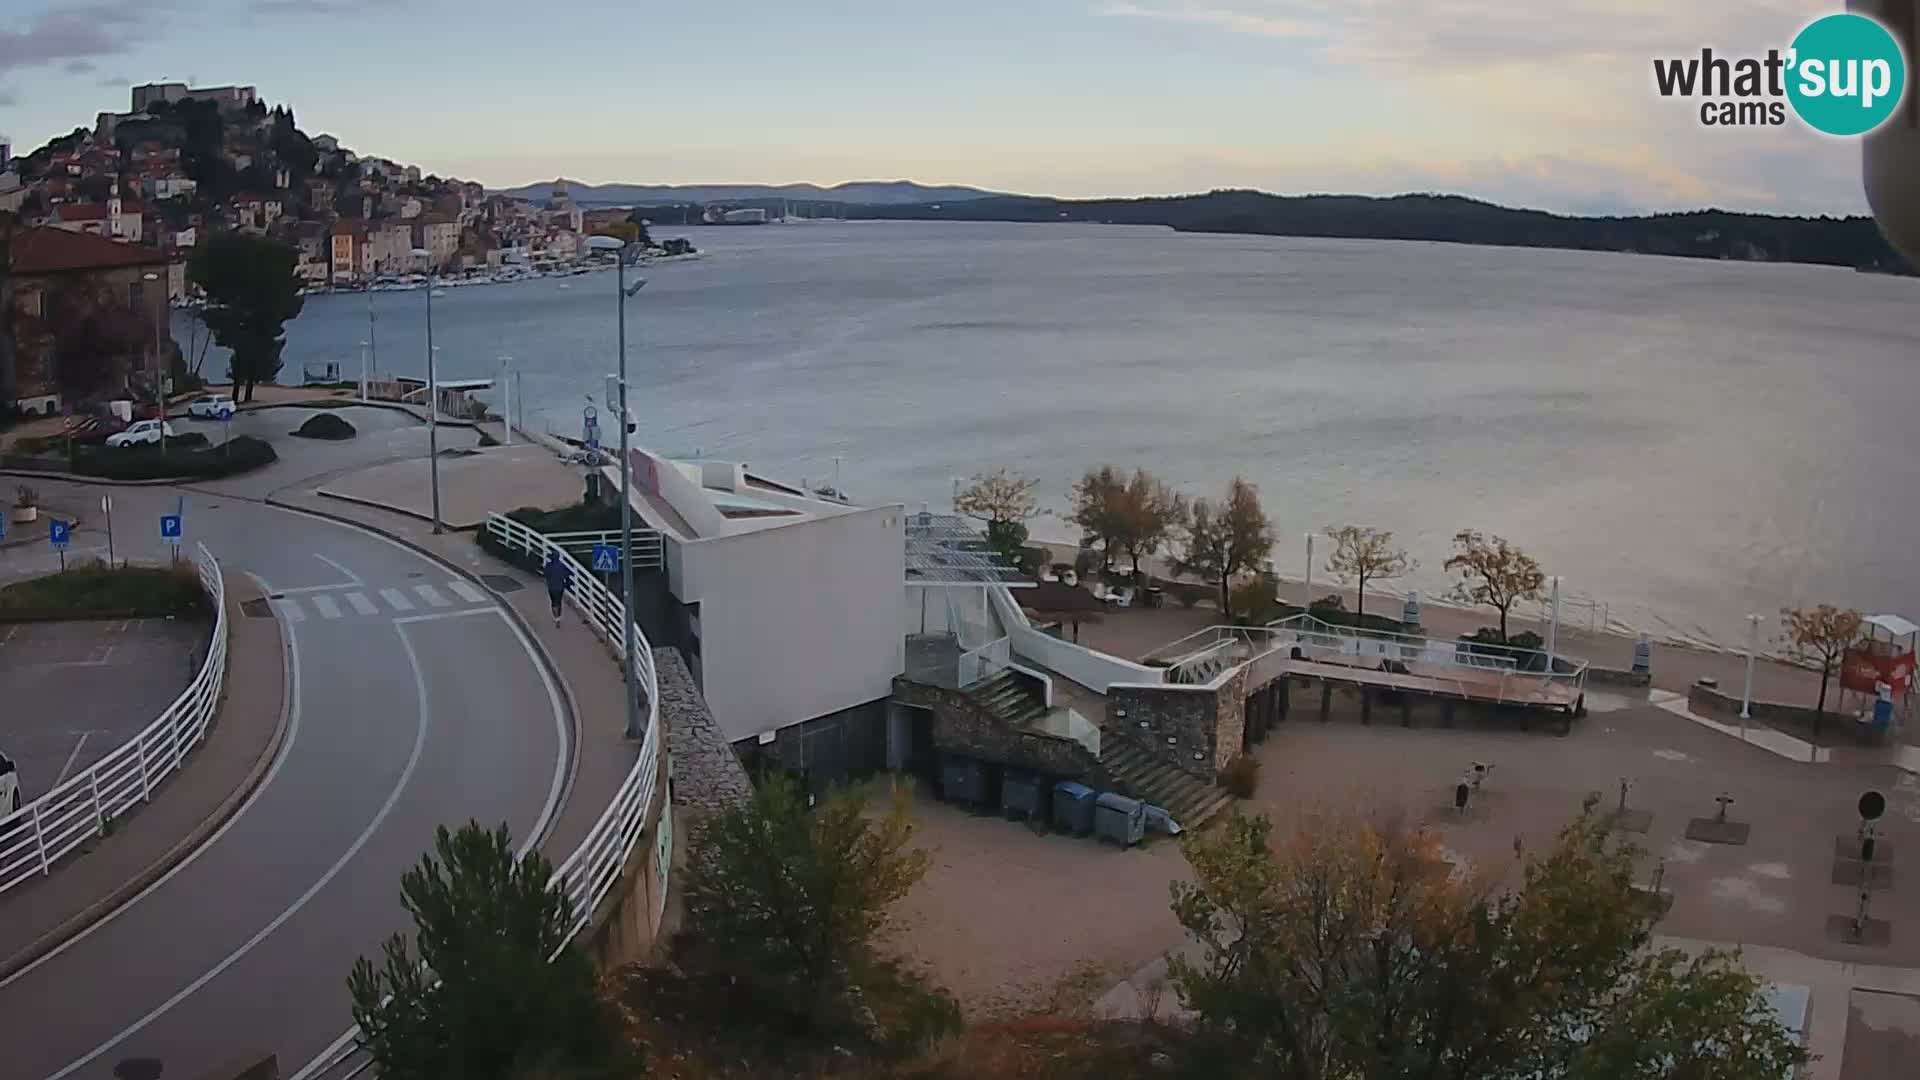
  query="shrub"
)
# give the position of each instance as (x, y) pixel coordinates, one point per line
(25, 496)
(1240, 776)
(239, 454)
(97, 589)
(1086, 561)
(1256, 602)
(1188, 593)
(325, 426)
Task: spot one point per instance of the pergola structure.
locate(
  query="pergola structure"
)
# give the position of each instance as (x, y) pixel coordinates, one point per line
(948, 553)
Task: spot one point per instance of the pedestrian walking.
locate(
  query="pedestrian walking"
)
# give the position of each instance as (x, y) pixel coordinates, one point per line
(559, 579)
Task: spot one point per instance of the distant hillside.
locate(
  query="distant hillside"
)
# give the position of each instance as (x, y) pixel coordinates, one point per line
(1713, 234)
(865, 192)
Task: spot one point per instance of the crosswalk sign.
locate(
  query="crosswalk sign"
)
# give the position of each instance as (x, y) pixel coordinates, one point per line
(170, 527)
(606, 558)
(59, 532)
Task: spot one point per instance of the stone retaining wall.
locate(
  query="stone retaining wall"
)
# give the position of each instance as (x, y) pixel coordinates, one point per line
(1196, 729)
(707, 774)
(962, 726)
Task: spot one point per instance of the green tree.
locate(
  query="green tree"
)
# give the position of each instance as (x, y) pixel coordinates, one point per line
(1004, 500)
(251, 291)
(1099, 509)
(1355, 952)
(1493, 572)
(1361, 555)
(490, 988)
(1226, 539)
(787, 900)
(1820, 635)
(1149, 513)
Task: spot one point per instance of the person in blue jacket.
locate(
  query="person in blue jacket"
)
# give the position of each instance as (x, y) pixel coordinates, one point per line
(559, 579)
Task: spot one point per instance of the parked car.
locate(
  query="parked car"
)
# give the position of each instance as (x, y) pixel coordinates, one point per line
(211, 407)
(141, 432)
(9, 786)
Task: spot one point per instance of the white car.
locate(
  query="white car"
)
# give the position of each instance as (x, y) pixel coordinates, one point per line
(212, 407)
(9, 786)
(142, 432)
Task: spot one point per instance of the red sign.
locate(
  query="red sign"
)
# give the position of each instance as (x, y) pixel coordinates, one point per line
(1861, 670)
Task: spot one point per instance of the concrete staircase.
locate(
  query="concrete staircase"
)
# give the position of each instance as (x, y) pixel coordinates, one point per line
(1011, 698)
(1191, 800)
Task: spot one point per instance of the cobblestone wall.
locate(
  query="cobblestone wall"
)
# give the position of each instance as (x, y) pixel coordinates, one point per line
(706, 773)
(962, 726)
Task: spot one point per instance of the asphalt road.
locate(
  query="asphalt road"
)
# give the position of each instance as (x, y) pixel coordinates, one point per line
(407, 713)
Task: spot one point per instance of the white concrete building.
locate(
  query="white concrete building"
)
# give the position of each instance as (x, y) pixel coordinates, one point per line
(786, 604)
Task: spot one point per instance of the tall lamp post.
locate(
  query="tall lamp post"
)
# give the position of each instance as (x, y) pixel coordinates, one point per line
(159, 358)
(506, 380)
(1746, 692)
(433, 393)
(622, 294)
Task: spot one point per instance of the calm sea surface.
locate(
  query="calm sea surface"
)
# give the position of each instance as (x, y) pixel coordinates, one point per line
(1684, 440)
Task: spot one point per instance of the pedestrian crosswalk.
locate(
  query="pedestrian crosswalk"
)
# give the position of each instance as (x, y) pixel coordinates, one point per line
(348, 603)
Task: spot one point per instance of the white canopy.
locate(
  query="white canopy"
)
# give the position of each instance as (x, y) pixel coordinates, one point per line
(1892, 624)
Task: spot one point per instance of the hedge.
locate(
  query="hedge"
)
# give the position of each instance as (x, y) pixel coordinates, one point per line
(325, 426)
(98, 589)
(240, 454)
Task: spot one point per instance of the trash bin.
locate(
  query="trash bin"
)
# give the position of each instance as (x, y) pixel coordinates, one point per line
(1120, 819)
(962, 780)
(1023, 795)
(1073, 808)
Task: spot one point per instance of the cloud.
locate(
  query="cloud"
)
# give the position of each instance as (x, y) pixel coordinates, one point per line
(8, 98)
(77, 67)
(114, 82)
(74, 33)
(1243, 22)
(313, 7)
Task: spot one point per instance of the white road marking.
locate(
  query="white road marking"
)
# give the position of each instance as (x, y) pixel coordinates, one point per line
(564, 768)
(325, 605)
(467, 592)
(291, 664)
(350, 575)
(439, 615)
(432, 596)
(290, 608)
(71, 758)
(361, 604)
(396, 599)
(393, 799)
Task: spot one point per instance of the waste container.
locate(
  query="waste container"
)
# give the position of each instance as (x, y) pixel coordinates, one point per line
(1023, 795)
(962, 780)
(1120, 819)
(1073, 808)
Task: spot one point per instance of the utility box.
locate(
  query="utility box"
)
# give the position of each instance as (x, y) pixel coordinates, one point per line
(1073, 808)
(962, 780)
(1120, 819)
(1023, 795)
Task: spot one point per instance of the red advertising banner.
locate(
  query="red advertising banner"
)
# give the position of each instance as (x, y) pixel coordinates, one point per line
(1861, 670)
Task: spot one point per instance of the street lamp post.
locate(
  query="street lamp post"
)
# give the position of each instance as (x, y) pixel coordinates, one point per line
(364, 346)
(1306, 602)
(506, 378)
(1746, 693)
(159, 360)
(622, 294)
(433, 395)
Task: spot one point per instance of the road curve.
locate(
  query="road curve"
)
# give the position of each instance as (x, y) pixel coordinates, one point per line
(415, 701)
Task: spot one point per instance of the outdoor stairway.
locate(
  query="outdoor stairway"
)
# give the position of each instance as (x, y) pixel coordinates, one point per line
(1191, 800)
(1011, 698)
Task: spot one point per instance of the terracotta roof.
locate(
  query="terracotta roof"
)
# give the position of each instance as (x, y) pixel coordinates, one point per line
(52, 251)
(81, 212)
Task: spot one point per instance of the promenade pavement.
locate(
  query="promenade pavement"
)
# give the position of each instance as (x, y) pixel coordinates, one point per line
(220, 773)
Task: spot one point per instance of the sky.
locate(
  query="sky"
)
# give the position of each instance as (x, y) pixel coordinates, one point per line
(1538, 103)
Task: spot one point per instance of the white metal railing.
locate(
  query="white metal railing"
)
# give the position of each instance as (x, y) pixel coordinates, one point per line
(591, 871)
(1471, 669)
(81, 807)
(648, 552)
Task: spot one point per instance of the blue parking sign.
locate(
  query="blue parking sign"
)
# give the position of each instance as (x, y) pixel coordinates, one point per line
(170, 527)
(606, 558)
(59, 531)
